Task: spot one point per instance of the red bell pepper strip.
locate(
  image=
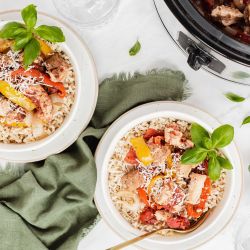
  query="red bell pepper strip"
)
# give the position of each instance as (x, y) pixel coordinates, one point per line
(41, 77)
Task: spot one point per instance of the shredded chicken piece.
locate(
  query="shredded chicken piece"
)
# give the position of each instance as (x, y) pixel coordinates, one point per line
(175, 137)
(195, 188)
(239, 4)
(132, 180)
(159, 154)
(10, 112)
(42, 100)
(57, 67)
(184, 170)
(247, 14)
(170, 196)
(226, 15)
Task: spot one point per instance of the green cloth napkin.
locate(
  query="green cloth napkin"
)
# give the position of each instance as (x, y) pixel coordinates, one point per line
(49, 204)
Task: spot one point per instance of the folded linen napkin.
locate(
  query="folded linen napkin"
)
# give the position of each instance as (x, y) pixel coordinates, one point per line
(49, 205)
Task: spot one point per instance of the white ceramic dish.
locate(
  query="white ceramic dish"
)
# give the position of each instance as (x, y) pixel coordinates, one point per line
(85, 99)
(219, 217)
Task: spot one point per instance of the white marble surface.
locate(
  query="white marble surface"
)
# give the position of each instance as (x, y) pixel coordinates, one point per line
(109, 46)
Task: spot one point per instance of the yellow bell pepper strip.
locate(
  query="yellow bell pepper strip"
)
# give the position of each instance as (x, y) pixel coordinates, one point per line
(169, 162)
(45, 48)
(16, 97)
(153, 181)
(14, 124)
(142, 150)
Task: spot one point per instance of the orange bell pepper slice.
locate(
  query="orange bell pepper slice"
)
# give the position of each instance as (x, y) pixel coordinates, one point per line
(143, 196)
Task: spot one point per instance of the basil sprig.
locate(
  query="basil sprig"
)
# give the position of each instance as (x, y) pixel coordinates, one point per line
(207, 147)
(26, 34)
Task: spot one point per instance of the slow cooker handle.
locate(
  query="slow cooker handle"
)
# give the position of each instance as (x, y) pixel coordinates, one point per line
(197, 57)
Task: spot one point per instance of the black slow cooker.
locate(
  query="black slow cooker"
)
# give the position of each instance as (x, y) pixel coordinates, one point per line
(205, 45)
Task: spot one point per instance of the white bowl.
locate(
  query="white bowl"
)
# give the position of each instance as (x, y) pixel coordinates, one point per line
(219, 217)
(85, 99)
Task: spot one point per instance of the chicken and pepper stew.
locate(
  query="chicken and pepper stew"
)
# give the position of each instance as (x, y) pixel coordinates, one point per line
(34, 101)
(232, 16)
(149, 185)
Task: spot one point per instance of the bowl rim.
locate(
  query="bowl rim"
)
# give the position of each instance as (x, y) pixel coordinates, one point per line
(115, 230)
(49, 139)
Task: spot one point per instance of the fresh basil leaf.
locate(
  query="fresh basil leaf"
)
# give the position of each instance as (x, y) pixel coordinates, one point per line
(29, 15)
(50, 33)
(135, 49)
(212, 153)
(234, 98)
(198, 133)
(222, 136)
(241, 75)
(194, 156)
(246, 120)
(22, 40)
(207, 143)
(224, 163)
(31, 52)
(11, 30)
(214, 169)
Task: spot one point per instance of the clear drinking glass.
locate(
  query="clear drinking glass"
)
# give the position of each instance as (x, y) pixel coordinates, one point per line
(87, 13)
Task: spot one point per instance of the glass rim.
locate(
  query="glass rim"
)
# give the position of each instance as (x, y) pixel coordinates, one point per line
(87, 24)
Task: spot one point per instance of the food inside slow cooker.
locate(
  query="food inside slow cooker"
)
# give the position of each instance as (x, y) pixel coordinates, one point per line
(232, 16)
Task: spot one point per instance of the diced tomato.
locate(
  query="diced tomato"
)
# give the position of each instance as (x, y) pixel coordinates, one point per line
(143, 196)
(152, 133)
(147, 216)
(178, 222)
(195, 211)
(131, 157)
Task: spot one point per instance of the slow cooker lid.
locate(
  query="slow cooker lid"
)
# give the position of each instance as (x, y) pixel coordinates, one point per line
(205, 31)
